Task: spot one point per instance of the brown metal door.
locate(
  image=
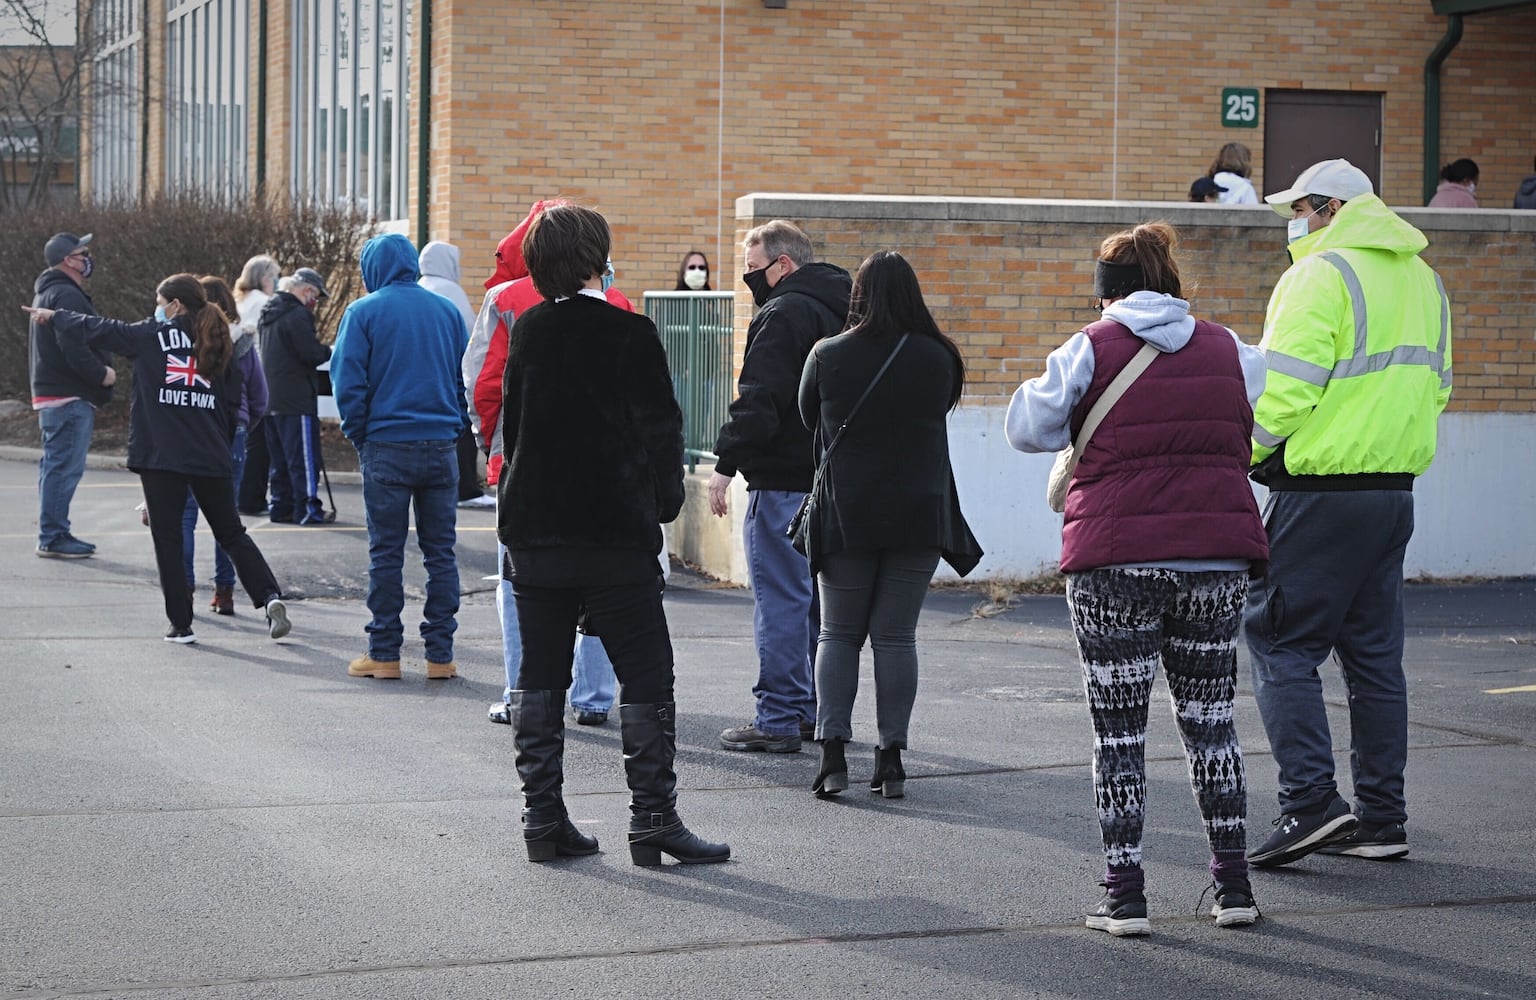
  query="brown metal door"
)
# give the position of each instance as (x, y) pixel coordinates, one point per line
(1304, 126)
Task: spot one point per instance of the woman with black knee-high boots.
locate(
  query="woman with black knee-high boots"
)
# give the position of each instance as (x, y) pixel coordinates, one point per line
(594, 466)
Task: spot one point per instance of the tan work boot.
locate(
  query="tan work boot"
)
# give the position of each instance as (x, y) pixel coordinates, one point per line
(365, 666)
(441, 671)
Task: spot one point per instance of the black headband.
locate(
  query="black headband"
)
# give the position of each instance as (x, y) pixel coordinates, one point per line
(1115, 281)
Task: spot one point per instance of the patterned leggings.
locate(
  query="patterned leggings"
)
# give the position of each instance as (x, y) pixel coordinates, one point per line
(1125, 619)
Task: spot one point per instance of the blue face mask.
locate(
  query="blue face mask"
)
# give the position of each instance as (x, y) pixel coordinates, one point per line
(160, 315)
(608, 277)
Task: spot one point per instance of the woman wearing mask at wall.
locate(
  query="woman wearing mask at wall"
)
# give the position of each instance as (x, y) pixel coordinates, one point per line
(253, 403)
(887, 506)
(186, 400)
(1160, 536)
(693, 273)
(1458, 186)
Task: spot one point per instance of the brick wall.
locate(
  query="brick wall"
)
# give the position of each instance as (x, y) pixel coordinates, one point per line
(1011, 280)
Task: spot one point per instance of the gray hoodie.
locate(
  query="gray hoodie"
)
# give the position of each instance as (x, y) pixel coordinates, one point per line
(439, 267)
(1040, 413)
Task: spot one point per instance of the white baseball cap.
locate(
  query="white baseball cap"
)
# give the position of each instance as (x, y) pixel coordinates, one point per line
(1331, 178)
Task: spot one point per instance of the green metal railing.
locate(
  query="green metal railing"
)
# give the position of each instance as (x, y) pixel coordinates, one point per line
(697, 330)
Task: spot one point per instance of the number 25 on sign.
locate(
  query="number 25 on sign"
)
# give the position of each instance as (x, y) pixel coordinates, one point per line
(1239, 107)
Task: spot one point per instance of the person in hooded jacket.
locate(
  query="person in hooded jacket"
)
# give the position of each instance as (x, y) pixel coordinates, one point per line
(186, 400)
(290, 353)
(253, 403)
(800, 301)
(439, 267)
(400, 392)
(69, 380)
(510, 293)
(1160, 536)
(1526, 197)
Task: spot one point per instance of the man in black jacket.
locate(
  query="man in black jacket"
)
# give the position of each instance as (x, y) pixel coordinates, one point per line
(800, 302)
(69, 380)
(290, 350)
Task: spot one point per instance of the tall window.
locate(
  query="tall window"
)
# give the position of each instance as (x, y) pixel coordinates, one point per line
(207, 73)
(115, 98)
(349, 108)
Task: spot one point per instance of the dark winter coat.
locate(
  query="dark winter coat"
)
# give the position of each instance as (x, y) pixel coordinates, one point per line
(764, 438)
(593, 443)
(285, 336)
(180, 419)
(1526, 196)
(60, 367)
(889, 484)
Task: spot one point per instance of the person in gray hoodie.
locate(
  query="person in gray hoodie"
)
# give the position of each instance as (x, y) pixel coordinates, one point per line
(1526, 196)
(439, 267)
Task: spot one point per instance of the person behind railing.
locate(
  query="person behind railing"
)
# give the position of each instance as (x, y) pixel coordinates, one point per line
(693, 273)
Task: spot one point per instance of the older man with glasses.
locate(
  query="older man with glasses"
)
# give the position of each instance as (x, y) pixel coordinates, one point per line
(69, 380)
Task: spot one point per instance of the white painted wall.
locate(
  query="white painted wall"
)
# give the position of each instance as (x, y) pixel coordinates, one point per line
(1475, 511)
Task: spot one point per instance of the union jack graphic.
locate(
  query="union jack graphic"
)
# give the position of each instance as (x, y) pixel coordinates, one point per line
(183, 371)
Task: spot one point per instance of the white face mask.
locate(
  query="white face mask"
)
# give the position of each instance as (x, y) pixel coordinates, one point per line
(1472, 188)
(1297, 228)
(695, 279)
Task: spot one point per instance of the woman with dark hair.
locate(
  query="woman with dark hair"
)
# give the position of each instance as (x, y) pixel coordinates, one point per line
(1160, 538)
(1458, 185)
(582, 538)
(888, 506)
(693, 273)
(246, 362)
(186, 400)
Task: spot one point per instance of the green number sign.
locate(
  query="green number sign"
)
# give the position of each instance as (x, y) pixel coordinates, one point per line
(1239, 107)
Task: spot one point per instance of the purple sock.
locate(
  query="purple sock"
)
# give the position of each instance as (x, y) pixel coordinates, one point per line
(1122, 879)
(1229, 867)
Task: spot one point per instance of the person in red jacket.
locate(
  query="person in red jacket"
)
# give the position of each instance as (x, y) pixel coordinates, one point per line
(509, 294)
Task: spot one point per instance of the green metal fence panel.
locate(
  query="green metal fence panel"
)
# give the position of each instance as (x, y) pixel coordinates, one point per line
(697, 330)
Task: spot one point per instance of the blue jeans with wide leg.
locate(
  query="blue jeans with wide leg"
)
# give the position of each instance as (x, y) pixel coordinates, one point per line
(783, 615)
(66, 431)
(594, 685)
(1334, 585)
(397, 476)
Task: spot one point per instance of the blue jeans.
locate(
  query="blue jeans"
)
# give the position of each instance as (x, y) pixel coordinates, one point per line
(594, 685)
(223, 569)
(66, 439)
(1334, 585)
(783, 615)
(396, 476)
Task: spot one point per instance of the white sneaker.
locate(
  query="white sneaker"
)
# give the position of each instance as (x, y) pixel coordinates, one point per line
(277, 618)
(480, 502)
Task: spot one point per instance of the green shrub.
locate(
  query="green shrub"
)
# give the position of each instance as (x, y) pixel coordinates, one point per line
(136, 247)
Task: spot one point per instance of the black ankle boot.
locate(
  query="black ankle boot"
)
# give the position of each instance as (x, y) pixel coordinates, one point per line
(649, 733)
(538, 732)
(833, 776)
(890, 779)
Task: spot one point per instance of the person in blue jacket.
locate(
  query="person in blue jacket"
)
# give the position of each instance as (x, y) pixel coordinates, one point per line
(399, 389)
(186, 400)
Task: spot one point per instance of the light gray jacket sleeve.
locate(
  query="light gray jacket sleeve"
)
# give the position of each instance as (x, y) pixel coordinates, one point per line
(1040, 413)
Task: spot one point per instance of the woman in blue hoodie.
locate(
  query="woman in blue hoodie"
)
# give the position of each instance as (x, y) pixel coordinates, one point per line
(186, 400)
(1161, 533)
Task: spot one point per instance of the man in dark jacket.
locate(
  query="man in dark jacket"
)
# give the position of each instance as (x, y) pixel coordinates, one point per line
(69, 380)
(800, 302)
(290, 350)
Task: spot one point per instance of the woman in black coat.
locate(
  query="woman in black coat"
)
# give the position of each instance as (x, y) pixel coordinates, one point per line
(186, 400)
(594, 466)
(887, 509)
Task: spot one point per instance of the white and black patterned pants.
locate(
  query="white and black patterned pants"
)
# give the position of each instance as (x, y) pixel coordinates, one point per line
(1126, 620)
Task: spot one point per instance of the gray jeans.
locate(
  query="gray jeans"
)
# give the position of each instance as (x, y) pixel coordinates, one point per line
(874, 593)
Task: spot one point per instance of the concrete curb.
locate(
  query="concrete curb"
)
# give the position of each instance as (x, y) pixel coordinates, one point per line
(17, 453)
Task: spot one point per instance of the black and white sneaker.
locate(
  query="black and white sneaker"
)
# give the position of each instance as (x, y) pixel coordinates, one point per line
(277, 618)
(1122, 916)
(182, 636)
(1298, 834)
(1234, 906)
(500, 713)
(1376, 841)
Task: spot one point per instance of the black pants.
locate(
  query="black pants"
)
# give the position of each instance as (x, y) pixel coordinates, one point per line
(252, 498)
(165, 498)
(469, 467)
(628, 616)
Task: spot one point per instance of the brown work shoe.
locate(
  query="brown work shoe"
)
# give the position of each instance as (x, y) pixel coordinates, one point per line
(223, 599)
(441, 671)
(366, 666)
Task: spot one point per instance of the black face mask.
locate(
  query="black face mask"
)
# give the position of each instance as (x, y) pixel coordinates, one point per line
(757, 281)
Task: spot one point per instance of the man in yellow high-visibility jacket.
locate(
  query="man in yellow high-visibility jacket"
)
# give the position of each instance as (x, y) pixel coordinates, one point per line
(1357, 340)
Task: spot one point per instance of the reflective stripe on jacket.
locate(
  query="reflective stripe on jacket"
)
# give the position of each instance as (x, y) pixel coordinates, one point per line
(1357, 340)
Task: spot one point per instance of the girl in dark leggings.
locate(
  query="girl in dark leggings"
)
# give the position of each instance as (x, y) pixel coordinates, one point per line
(889, 510)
